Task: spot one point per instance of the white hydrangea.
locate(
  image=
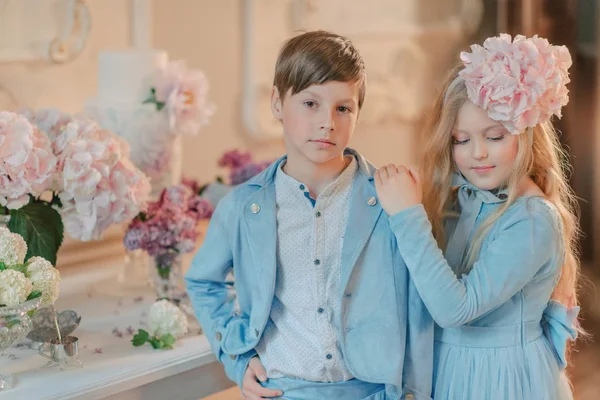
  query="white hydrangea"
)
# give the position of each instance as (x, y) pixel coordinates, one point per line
(45, 278)
(12, 247)
(14, 287)
(165, 317)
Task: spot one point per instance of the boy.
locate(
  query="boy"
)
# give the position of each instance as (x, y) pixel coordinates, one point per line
(326, 309)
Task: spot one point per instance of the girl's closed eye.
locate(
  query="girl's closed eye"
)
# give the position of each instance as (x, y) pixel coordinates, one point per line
(458, 141)
(496, 138)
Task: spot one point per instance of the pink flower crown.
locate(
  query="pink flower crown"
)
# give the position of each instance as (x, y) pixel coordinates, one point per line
(520, 83)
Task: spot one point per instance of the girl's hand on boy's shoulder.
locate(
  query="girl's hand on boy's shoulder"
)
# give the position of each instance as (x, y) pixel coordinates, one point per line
(398, 188)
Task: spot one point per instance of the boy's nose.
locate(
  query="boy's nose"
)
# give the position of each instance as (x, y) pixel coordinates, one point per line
(328, 123)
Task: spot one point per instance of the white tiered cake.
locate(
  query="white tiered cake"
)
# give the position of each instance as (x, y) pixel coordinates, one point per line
(125, 76)
(124, 83)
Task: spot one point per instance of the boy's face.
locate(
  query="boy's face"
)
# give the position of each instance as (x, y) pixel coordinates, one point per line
(318, 122)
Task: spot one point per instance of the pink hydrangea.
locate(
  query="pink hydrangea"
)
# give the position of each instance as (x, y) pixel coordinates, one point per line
(520, 82)
(28, 163)
(184, 93)
(95, 179)
(100, 184)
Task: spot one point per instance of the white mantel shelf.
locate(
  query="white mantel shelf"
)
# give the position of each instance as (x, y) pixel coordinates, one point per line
(120, 371)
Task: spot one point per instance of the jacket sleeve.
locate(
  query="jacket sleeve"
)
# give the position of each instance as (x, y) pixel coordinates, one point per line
(212, 297)
(511, 260)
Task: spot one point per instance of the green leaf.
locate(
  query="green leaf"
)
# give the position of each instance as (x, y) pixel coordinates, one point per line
(140, 338)
(160, 105)
(34, 295)
(143, 217)
(2, 266)
(168, 340)
(202, 189)
(41, 228)
(155, 343)
(56, 201)
(20, 267)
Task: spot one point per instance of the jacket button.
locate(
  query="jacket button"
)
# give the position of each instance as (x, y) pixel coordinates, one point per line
(232, 356)
(255, 208)
(372, 201)
(218, 336)
(257, 332)
(409, 396)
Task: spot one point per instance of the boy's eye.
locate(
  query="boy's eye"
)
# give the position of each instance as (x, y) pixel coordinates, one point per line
(343, 109)
(310, 103)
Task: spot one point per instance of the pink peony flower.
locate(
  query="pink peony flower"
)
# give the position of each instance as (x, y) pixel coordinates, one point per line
(184, 93)
(28, 164)
(520, 82)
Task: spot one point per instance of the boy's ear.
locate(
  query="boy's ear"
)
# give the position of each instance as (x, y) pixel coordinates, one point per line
(276, 104)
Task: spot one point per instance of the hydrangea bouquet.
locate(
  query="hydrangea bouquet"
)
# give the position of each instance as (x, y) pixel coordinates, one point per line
(20, 280)
(63, 173)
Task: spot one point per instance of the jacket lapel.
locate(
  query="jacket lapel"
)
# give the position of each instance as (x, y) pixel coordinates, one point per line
(261, 234)
(363, 215)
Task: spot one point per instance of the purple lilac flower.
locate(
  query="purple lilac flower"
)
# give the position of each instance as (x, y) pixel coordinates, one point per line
(244, 173)
(234, 159)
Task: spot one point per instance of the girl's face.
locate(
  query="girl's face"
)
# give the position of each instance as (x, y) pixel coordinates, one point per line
(482, 148)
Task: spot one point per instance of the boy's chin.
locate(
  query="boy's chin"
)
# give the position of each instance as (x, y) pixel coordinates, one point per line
(322, 157)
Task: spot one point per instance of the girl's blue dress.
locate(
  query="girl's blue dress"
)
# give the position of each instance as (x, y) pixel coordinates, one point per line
(499, 336)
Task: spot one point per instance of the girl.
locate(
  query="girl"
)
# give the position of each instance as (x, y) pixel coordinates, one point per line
(496, 200)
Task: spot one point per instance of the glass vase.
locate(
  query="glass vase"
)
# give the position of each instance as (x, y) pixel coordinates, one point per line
(166, 276)
(15, 324)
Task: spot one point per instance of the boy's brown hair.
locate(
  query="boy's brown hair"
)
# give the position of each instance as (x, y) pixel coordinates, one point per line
(316, 57)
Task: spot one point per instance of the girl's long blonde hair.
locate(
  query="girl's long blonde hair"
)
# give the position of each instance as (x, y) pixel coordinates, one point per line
(540, 157)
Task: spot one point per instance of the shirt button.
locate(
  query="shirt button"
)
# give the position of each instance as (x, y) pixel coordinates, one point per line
(302, 187)
(329, 356)
(317, 261)
(320, 310)
(318, 214)
(218, 336)
(409, 396)
(347, 294)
